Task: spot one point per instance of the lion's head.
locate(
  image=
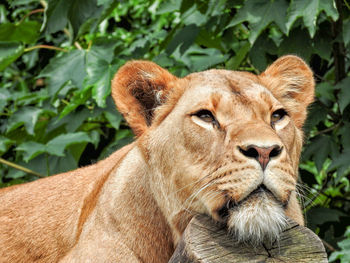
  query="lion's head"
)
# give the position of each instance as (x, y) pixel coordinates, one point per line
(220, 142)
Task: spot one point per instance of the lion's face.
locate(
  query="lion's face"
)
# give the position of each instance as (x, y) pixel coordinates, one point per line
(227, 144)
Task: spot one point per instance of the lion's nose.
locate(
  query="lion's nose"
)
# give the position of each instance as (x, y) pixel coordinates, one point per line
(261, 154)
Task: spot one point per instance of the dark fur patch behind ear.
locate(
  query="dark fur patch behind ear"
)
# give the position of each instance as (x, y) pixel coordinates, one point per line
(138, 88)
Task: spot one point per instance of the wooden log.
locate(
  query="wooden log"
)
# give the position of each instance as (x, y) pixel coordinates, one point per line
(209, 242)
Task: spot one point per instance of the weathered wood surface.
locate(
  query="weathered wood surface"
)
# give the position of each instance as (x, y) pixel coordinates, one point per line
(208, 242)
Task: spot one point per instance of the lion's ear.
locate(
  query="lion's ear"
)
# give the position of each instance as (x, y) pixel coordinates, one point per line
(138, 88)
(291, 80)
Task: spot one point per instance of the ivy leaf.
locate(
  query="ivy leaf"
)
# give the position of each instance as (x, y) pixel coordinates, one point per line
(79, 98)
(79, 13)
(99, 75)
(309, 11)
(325, 90)
(194, 16)
(317, 113)
(26, 115)
(9, 52)
(31, 149)
(61, 12)
(5, 143)
(235, 61)
(169, 6)
(346, 31)
(5, 96)
(298, 43)
(341, 164)
(202, 59)
(68, 67)
(57, 145)
(260, 51)
(259, 14)
(26, 32)
(56, 15)
(319, 148)
(184, 38)
(344, 93)
(343, 254)
(112, 115)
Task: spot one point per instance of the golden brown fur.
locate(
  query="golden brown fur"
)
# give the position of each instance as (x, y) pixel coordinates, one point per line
(239, 166)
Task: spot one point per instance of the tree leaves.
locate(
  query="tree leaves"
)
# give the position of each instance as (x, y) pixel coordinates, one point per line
(68, 67)
(62, 12)
(9, 52)
(26, 32)
(100, 72)
(27, 116)
(309, 10)
(56, 146)
(344, 94)
(183, 39)
(259, 14)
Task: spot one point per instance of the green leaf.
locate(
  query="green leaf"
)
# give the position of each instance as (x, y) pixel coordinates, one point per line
(5, 143)
(100, 72)
(5, 96)
(346, 31)
(318, 216)
(57, 145)
(202, 59)
(3, 14)
(236, 61)
(260, 51)
(79, 98)
(112, 115)
(344, 93)
(317, 113)
(56, 15)
(319, 148)
(26, 115)
(62, 12)
(31, 149)
(68, 67)
(194, 16)
(325, 90)
(169, 6)
(309, 10)
(79, 13)
(298, 42)
(343, 254)
(321, 43)
(184, 38)
(259, 14)
(26, 32)
(345, 135)
(341, 164)
(9, 52)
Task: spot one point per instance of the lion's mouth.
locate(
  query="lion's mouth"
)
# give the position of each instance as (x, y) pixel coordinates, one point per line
(257, 218)
(230, 204)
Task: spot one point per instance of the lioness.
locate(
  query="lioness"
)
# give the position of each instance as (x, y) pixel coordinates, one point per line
(219, 142)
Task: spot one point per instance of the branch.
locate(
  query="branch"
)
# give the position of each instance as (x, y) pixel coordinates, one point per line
(21, 168)
(41, 10)
(44, 46)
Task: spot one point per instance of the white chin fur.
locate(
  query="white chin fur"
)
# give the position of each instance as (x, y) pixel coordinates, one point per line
(258, 219)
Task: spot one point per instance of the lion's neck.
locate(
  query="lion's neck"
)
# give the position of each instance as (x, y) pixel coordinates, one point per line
(134, 212)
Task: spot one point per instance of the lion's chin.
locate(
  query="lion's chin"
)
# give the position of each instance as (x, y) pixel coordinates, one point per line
(259, 219)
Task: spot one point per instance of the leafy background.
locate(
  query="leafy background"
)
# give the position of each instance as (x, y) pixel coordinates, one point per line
(57, 58)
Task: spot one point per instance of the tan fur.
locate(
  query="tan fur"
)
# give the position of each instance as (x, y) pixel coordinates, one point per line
(134, 205)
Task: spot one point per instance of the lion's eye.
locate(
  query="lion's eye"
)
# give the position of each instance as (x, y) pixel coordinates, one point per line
(206, 116)
(278, 115)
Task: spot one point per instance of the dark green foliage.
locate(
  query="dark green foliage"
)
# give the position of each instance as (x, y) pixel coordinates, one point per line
(57, 58)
